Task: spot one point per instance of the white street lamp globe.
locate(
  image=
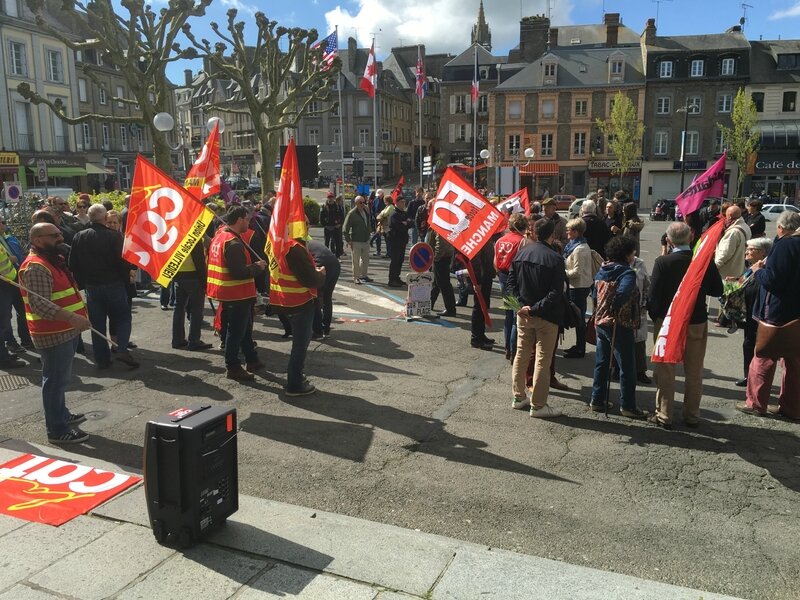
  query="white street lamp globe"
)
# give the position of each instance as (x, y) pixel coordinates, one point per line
(529, 153)
(484, 154)
(213, 121)
(163, 122)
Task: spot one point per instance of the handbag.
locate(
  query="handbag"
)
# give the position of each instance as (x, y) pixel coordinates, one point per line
(778, 341)
(573, 316)
(591, 332)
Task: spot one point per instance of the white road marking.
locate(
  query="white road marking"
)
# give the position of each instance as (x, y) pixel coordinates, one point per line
(368, 298)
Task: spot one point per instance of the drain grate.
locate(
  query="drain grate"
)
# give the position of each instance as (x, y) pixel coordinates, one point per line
(9, 383)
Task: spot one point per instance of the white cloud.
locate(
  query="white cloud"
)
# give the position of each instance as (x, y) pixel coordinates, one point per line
(240, 6)
(442, 25)
(793, 11)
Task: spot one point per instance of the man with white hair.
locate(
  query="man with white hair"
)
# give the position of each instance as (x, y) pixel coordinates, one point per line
(96, 261)
(597, 234)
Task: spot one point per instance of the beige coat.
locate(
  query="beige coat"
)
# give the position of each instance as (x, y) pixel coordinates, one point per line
(729, 255)
(579, 267)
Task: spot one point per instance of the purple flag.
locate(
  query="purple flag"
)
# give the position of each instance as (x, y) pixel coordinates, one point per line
(709, 184)
(228, 194)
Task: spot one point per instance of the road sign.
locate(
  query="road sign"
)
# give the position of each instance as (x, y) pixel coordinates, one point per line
(427, 165)
(41, 172)
(418, 301)
(420, 257)
(13, 191)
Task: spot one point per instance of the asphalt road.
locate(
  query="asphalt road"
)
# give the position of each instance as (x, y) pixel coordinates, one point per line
(413, 427)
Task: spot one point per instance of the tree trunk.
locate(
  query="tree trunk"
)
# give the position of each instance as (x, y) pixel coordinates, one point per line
(161, 150)
(268, 141)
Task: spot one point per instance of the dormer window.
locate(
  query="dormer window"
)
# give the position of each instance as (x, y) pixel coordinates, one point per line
(665, 69)
(728, 66)
(697, 68)
(550, 70)
(616, 68)
(550, 76)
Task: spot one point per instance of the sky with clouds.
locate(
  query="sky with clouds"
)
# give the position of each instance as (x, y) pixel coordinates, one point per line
(445, 25)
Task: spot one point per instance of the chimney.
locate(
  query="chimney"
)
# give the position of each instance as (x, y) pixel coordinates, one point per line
(187, 77)
(533, 33)
(553, 37)
(352, 49)
(611, 21)
(649, 34)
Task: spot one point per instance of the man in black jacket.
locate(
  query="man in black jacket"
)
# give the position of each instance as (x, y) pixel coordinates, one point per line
(537, 278)
(668, 271)
(190, 297)
(483, 267)
(96, 260)
(596, 234)
(397, 241)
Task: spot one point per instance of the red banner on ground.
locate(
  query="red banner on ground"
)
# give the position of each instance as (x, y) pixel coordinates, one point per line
(164, 223)
(50, 491)
(671, 341)
(203, 179)
(463, 216)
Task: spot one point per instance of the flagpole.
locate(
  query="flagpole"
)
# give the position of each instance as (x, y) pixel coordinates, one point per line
(375, 122)
(341, 126)
(419, 97)
(475, 122)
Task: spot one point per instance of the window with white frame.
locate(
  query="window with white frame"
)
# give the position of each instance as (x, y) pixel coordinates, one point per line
(55, 66)
(82, 91)
(548, 109)
(483, 104)
(660, 143)
(724, 103)
(120, 94)
(78, 55)
(482, 132)
(106, 136)
(663, 105)
(513, 143)
(692, 147)
(363, 108)
(697, 68)
(728, 66)
(694, 104)
(123, 136)
(462, 132)
(364, 138)
(616, 67)
(546, 144)
(140, 139)
(665, 69)
(313, 107)
(313, 136)
(579, 143)
(336, 136)
(103, 99)
(719, 142)
(336, 109)
(24, 126)
(18, 64)
(581, 108)
(550, 70)
(151, 97)
(60, 139)
(460, 103)
(789, 101)
(87, 135)
(11, 8)
(515, 109)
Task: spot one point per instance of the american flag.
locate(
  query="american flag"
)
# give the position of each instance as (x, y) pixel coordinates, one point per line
(331, 50)
(421, 84)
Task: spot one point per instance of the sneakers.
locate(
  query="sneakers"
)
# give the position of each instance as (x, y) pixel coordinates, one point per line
(12, 362)
(76, 418)
(367, 279)
(600, 407)
(237, 373)
(634, 413)
(357, 281)
(521, 404)
(304, 390)
(545, 412)
(72, 436)
(14, 347)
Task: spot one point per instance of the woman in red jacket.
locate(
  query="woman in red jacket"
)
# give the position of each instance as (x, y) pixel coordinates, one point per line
(505, 249)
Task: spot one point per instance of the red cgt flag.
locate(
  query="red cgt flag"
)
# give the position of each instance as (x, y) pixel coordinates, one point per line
(164, 222)
(203, 180)
(288, 217)
(398, 189)
(671, 341)
(463, 216)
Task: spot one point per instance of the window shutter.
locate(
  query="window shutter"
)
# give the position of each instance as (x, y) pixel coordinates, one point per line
(452, 131)
(468, 104)
(468, 132)
(452, 106)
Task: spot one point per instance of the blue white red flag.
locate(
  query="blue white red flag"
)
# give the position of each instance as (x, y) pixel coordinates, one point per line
(331, 50)
(422, 85)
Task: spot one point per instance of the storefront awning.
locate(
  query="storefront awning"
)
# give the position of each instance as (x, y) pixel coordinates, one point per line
(62, 171)
(92, 169)
(539, 168)
(779, 134)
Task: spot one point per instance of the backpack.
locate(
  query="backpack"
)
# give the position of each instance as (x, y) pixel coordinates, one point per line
(628, 316)
(597, 262)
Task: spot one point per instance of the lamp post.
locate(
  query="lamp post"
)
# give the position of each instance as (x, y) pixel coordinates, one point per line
(685, 110)
(529, 154)
(164, 122)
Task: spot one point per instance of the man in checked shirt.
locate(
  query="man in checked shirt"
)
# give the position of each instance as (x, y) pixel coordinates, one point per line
(56, 315)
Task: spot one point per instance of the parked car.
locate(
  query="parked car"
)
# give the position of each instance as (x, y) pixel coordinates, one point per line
(574, 209)
(254, 185)
(771, 212)
(563, 201)
(663, 210)
(238, 182)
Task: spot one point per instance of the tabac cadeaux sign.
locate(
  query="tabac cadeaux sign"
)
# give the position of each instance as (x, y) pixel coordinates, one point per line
(51, 491)
(463, 216)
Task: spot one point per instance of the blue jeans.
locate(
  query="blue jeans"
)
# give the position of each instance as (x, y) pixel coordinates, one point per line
(56, 373)
(239, 333)
(579, 296)
(623, 352)
(108, 302)
(414, 234)
(190, 296)
(510, 320)
(302, 323)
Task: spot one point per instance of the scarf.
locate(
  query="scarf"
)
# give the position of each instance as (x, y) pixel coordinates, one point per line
(572, 244)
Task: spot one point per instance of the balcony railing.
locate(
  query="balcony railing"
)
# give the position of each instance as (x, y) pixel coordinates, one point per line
(25, 141)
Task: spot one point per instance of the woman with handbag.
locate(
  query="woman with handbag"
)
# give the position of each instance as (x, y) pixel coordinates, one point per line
(617, 308)
(777, 310)
(578, 264)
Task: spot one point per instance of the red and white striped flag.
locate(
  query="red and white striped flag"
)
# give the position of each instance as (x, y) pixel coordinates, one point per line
(476, 85)
(330, 51)
(421, 84)
(369, 82)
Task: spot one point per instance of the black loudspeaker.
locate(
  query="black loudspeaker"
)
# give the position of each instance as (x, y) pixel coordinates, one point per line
(191, 483)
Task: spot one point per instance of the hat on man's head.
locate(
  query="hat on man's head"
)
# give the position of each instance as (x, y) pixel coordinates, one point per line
(548, 202)
(330, 195)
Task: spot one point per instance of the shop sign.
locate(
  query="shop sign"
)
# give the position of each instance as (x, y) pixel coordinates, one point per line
(55, 160)
(691, 165)
(9, 159)
(613, 165)
(778, 165)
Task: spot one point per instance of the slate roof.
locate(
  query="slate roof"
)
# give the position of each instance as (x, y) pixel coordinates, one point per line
(594, 35)
(467, 57)
(570, 75)
(698, 43)
(764, 61)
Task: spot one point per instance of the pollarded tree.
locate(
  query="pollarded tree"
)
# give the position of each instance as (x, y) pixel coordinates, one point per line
(625, 133)
(741, 140)
(140, 43)
(276, 88)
